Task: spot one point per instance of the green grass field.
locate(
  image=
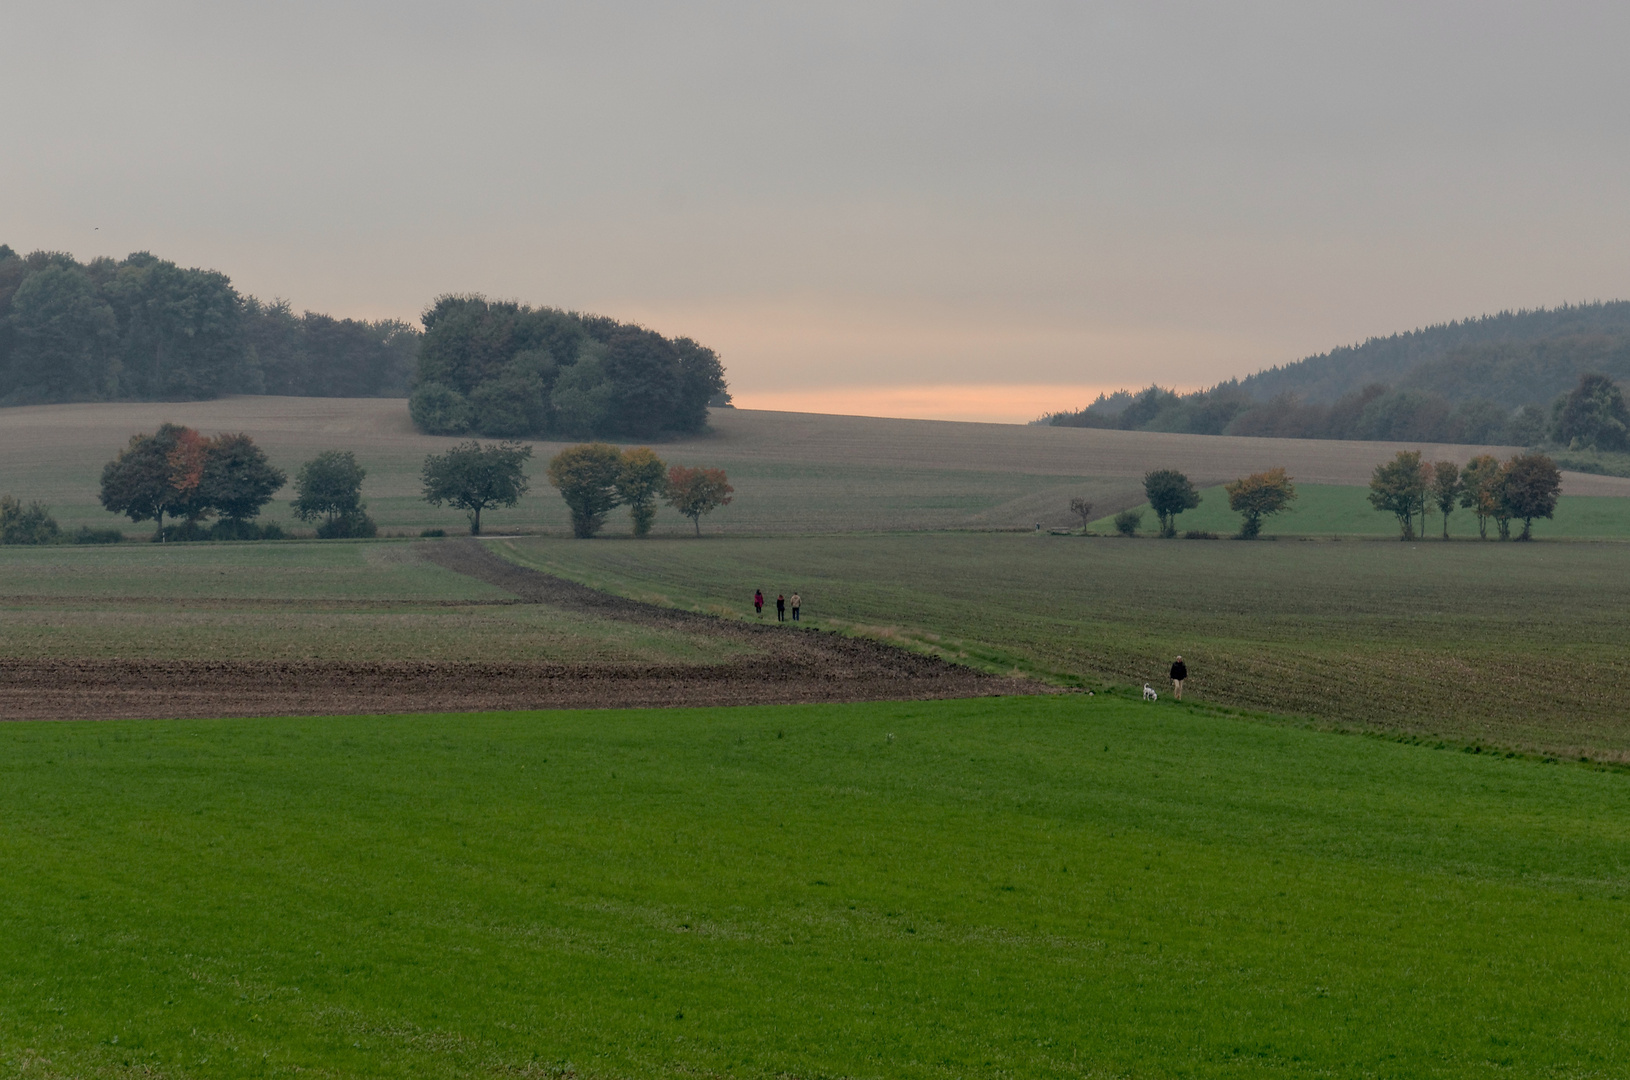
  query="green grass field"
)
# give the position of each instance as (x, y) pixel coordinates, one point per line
(331, 600)
(1520, 644)
(1343, 510)
(1073, 887)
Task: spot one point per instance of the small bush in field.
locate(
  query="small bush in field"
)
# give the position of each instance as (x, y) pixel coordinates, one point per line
(1127, 522)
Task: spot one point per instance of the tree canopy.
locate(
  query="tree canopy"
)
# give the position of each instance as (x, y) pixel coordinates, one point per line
(177, 472)
(695, 492)
(143, 328)
(587, 478)
(504, 369)
(1258, 496)
(1399, 487)
(1170, 493)
(329, 486)
(472, 477)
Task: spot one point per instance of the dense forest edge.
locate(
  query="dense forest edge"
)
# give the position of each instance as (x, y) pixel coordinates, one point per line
(145, 329)
(1527, 378)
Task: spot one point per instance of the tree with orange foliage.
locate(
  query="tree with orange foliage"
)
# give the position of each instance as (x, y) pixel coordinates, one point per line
(694, 492)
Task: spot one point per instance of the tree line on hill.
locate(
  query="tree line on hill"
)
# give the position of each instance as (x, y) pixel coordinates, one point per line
(507, 370)
(143, 328)
(1498, 380)
(1590, 416)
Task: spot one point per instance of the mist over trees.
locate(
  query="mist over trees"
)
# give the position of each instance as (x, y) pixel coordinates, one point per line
(507, 370)
(145, 329)
(1500, 380)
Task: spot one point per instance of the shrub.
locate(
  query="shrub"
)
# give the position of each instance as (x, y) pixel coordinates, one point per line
(88, 535)
(348, 527)
(440, 410)
(1128, 521)
(31, 524)
(1197, 534)
(237, 529)
(428, 533)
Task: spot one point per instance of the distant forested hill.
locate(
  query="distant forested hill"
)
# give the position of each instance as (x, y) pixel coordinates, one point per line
(143, 328)
(1503, 378)
(1513, 358)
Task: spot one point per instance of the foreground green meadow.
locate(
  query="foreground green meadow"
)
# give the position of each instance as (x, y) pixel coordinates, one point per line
(1018, 887)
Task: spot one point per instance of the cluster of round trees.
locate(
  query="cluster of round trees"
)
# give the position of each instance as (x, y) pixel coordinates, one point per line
(1253, 498)
(1522, 489)
(596, 478)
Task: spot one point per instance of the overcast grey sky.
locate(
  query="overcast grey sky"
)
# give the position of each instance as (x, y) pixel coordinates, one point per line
(847, 195)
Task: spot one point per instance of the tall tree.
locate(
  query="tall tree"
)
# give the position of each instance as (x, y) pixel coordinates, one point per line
(642, 478)
(1082, 509)
(587, 477)
(1258, 496)
(1480, 490)
(66, 340)
(1446, 489)
(1532, 484)
(238, 479)
(1593, 416)
(154, 476)
(329, 486)
(1170, 493)
(1399, 488)
(694, 492)
(472, 477)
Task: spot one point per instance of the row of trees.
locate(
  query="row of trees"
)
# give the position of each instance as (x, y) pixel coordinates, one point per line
(144, 328)
(1591, 416)
(508, 370)
(178, 473)
(1522, 489)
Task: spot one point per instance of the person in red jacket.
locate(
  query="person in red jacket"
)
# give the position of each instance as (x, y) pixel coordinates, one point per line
(1180, 671)
(758, 602)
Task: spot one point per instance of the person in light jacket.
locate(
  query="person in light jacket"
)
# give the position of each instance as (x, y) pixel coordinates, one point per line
(1180, 671)
(797, 602)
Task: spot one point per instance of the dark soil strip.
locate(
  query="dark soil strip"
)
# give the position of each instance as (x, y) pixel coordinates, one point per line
(789, 665)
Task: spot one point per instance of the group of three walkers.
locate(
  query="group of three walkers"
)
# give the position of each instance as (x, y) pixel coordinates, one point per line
(780, 605)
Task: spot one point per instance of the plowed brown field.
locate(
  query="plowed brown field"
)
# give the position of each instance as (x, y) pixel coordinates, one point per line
(785, 665)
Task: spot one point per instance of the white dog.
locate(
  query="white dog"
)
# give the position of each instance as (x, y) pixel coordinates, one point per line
(1149, 693)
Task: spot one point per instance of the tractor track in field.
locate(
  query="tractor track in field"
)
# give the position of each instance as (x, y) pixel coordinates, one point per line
(784, 665)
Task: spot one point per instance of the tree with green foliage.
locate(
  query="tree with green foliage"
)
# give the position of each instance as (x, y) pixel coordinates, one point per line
(1480, 490)
(329, 486)
(67, 340)
(1446, 490)
(238, 480)
(439, 410)
(1592, 416)
(31, 524)
(472, 477)
(1127, 522)
(1258, 496)
(1399, 488)
(642, 479)
(1530, 487)
(1170, 493)
(587, 476)
(694, 492)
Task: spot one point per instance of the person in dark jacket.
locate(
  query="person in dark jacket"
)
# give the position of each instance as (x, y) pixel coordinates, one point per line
(758, 602)
(781, 607)
(1180, 671)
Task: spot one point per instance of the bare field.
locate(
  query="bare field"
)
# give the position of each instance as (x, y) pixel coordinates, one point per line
(793, 472)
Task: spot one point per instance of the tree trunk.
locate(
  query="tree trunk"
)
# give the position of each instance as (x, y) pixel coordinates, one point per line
(475, 522)
(696, 519)
(161, 526)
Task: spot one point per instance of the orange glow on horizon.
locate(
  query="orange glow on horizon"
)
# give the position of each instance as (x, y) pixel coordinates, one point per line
(985, 402)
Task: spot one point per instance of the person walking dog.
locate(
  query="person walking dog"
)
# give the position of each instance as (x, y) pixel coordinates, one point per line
(758, 602)
(797, 602)
(780, 607)
(1180, 671)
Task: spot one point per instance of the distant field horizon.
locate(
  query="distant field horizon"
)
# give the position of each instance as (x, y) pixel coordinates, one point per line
(793, 472)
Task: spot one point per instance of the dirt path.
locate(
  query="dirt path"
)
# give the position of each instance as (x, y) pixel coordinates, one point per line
(786, 666)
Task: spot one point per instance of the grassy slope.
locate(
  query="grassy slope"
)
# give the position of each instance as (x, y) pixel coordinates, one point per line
(793, 472)
(1523, 644)
(1076, 887)
(1345, 510)
(301, 599)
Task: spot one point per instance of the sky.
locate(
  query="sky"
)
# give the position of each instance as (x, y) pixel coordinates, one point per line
(969, 211)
